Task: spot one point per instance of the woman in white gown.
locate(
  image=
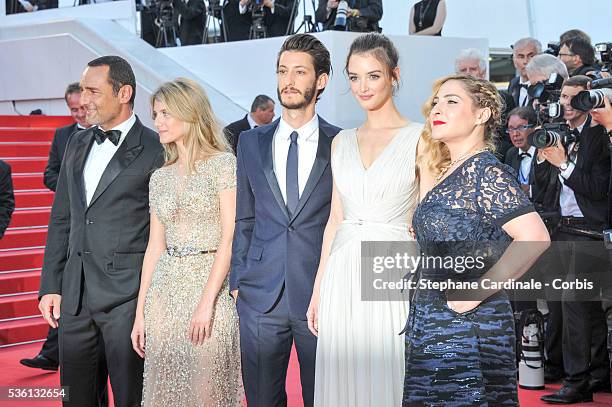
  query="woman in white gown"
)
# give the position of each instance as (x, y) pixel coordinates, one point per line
(360, 354)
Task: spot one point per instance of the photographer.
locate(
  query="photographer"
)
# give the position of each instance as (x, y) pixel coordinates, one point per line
(277, 14)
(578, 55)
(582, 162)
(191, 19)
(361, 15)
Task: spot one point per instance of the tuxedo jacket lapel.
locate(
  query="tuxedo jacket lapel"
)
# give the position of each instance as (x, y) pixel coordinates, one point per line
(265, 149)
(82, 151)
(125, 154)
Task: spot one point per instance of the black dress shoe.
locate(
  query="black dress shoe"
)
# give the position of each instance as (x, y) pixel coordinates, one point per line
(40, 362)
(569, 395)
(603, 386)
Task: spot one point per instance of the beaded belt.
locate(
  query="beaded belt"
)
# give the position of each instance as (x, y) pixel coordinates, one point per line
(186, 251)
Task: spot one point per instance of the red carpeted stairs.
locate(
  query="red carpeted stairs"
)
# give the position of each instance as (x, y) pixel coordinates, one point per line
(24, 145)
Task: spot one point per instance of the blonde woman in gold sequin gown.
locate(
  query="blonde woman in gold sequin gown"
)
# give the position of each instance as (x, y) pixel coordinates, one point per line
(186, 325)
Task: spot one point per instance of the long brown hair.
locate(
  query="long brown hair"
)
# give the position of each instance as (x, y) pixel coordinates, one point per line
(484, 95)
(186, 100)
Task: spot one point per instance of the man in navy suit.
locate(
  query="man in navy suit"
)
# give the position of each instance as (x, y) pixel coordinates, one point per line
(283, 203)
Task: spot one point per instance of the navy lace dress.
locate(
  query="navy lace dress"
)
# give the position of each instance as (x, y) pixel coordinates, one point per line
(467, 359)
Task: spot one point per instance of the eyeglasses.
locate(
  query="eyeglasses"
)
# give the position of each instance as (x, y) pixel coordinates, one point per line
(562, 54)
(524, 127)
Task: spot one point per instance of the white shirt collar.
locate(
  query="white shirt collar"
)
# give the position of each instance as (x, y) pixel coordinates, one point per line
(125, 126)
(251, 121)
(531, 151)
(307, 131)
(579, 128)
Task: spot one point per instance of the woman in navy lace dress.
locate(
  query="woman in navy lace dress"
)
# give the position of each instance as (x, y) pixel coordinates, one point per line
(461, 352)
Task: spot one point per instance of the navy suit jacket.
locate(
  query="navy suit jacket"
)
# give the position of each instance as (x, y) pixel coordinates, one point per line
(272, 250)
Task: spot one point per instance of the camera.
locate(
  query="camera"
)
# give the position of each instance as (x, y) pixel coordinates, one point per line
(594, 98)
(341, 16)
(550, 134)
(547, 93)
(603, 50)
(553, 48)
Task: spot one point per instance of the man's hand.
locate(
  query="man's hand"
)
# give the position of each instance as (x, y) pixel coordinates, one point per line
(269, 4)
(49, 307)
(603, 115)
(555, 154)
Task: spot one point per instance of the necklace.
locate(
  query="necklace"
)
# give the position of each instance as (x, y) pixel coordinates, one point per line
(422, 11)
(456, 160)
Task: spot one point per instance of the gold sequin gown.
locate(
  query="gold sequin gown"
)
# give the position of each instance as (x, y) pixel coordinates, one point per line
(177, 373)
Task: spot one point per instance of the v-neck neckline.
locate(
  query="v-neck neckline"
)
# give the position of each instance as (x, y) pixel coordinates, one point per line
(373, 163)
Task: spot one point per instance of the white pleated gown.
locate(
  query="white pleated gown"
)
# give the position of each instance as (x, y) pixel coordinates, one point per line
(360, 352)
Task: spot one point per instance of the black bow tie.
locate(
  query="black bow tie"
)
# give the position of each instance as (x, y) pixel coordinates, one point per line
(524, 85)
(101, 135)
(576, 132)
(524, 154)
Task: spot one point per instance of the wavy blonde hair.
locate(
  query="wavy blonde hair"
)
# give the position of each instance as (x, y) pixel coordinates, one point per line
(484, 95)
(187, 101)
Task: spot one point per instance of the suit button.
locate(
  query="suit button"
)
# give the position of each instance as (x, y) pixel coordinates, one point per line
(291, 228)
(89, 222)
(86, 252)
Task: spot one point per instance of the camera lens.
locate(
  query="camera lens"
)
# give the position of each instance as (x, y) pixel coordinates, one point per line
(542, 138)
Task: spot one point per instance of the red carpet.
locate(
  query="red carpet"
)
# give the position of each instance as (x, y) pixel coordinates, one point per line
(24, 144)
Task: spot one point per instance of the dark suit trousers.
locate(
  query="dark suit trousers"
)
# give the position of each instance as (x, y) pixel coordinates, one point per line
(82, 338)
(50, 348)
(266, 341)
(583, 322)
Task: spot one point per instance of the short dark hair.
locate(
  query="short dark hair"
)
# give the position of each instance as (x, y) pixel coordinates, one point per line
(525, 113)
(380, 46)
(578, 81)
(582, 48)
(260, 102)
(74, 87)
(120, 73)
(573, 34)
(312, 46)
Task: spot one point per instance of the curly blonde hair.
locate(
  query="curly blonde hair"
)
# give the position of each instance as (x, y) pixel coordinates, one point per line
(484, 95)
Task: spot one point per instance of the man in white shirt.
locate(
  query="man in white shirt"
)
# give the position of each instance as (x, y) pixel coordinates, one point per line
(97, 237)
(283, 203)
(522, 52)
(521, 124)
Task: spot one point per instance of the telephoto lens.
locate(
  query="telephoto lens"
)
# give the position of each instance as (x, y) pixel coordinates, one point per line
(591, 99)
(341, 12)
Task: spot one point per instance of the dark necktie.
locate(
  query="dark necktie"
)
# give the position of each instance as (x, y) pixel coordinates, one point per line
(292, 187)
(101, 135)
(524, 154)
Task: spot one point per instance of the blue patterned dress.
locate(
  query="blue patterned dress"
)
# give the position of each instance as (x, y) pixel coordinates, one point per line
(467, 359)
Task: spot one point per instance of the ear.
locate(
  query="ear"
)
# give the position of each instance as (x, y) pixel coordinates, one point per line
(322, 81)
(125, 94)
(396, 74)
(483, 116)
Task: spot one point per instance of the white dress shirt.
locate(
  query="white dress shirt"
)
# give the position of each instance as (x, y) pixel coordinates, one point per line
(99, 157)
(523, 95)
(251, 121)
(308, 141)
(567, 200)
(525, 166)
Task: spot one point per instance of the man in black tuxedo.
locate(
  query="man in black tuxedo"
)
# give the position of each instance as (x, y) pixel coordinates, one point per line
(278, 15)
(192, 18)
(262, 113)
(7, 197)
(584, 176)
(522, 52)
(48, 357)
(521, 156)
(97, 237)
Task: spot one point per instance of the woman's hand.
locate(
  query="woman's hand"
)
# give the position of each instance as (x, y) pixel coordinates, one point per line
(463, 306)
(138, 335)
(200, 327)
(312, 315)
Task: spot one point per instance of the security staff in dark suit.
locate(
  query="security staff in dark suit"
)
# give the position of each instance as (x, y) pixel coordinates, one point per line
(262, 113)
(62, 135)
(584, 176)
(363, 15)
(191, 18)
(7, 197)
(97, 237)
(522, 52)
